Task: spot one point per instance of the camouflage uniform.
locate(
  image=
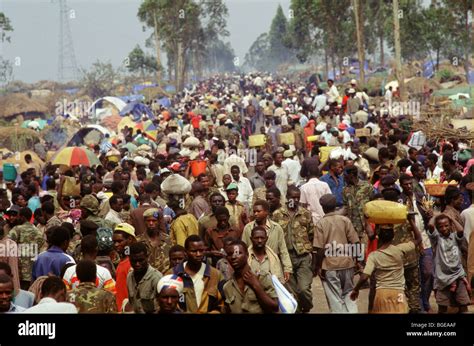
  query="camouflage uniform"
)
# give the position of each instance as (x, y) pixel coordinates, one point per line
(32, 237)
(354, 198)
(261, 193)
(158, 255)
(299, 233)
(53, 221)
(89, 299)
(91, 203)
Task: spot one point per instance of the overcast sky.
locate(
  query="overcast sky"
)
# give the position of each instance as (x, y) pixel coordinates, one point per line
(106, 30)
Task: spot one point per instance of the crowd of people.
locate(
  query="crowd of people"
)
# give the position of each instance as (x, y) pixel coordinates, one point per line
(250, 179)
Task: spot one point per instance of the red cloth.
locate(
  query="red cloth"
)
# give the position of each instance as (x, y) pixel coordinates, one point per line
(309, 131)
(344, 103)
(121, 282)
(195, 121)
(371, 245)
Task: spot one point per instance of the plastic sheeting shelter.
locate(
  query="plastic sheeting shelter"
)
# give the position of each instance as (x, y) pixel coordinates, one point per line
(78, 138)
(117, 102)
(137, 109)
(165, 102)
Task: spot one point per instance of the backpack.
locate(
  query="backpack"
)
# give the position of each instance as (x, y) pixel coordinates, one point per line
(104, 238)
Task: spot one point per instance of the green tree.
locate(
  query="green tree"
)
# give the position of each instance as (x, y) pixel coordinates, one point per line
(258, 54)
(412, 43)
(277, 37)
(5, 27)
(438, 22)
(139, 62)
(100, 80)
(461, 29)
(6, 66)
(148, 14)
(182, 26)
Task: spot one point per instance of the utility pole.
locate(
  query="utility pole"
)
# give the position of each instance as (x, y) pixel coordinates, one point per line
(360, 39)
(67, 65)
(398, 54)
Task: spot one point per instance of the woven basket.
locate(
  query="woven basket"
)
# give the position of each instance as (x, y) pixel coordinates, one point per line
(437, 190)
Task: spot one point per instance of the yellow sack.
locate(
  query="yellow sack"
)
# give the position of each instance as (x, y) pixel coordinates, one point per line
(71, 187)
(287, 138)
(380, 212)
(257, 141)
(324, 152)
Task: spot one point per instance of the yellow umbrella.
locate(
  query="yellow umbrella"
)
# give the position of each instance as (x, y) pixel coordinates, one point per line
(127, 121)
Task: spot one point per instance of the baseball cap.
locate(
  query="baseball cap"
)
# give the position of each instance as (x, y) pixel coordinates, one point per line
(125, 228)
(232, 186)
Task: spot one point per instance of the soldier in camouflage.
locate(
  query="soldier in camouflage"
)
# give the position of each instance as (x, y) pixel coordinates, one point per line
(155, 238)
(24, 233)
(297, 224)
(355, 195)
(86, 296)
(90, 211)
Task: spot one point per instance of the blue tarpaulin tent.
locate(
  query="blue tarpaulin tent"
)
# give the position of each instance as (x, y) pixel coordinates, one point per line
(131, 98)
(137, 109)
(165, 102)
(140, 87)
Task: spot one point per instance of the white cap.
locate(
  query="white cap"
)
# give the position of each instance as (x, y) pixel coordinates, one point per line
(351, 91)
(353, 81)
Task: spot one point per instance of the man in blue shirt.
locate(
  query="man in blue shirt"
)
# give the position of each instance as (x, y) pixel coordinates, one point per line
(53, 260)
(335, 180)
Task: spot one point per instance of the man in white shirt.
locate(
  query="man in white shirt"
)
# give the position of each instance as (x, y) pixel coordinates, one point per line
(433, 170)
(282, 174)
(319, 101)
(293, 166)
(312, 191)
(53, 299)
(236, 160)
(333, 93)
(116, 206)
(388, 95)
(245, 188)
(346, 137)
(327, 134)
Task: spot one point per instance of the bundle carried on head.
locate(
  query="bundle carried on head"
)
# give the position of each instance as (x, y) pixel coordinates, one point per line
(176, 184)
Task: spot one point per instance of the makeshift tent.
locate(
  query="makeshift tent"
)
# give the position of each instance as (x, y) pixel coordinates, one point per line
(132, 98)
(165, 102)
(97, 109)
(37, 124)
(14, 104)
(170, 88)
(89, 134)
(140, 87)
(137, 109)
